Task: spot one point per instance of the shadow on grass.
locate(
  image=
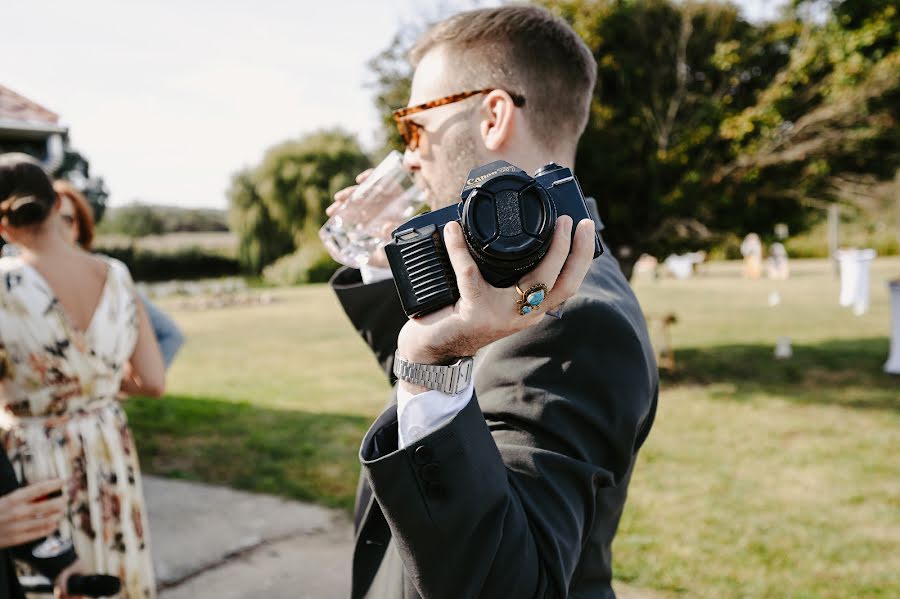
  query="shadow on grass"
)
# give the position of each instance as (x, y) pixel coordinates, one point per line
(847, 372)
(302, 455)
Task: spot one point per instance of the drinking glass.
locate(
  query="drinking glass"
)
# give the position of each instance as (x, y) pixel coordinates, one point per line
(362, 225)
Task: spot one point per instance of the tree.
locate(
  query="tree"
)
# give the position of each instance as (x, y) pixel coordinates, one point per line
(76, 169)
(668, 75)
(135, 220)
(392, 80)
(826, 128)
(261, 240)
(705, 127)
(710, 127)
(280, 204)
(138, 219)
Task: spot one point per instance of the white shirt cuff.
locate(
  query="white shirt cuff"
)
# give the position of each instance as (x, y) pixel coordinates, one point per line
(374, 274)
(420, 415)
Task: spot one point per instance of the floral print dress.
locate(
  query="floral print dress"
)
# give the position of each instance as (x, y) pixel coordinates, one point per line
(59, 416)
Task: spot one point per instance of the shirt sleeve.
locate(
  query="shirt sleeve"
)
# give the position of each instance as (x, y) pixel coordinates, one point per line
(168, 335)
(422, 414)
(374, 274)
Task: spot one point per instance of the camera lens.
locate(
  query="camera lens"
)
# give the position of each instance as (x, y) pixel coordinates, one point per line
(508, 224)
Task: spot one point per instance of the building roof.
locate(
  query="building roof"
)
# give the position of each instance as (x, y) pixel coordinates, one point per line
(19, 115)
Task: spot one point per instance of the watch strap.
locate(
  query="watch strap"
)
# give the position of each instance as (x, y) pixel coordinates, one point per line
(449, 379)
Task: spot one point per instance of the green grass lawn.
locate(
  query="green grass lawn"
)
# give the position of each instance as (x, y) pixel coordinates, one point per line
(761, 478)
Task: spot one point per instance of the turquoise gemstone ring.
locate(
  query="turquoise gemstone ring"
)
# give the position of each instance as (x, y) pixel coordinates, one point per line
(531, 299)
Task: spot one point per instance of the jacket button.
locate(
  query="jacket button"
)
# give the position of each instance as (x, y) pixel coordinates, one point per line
(423, 454)
(430, 472)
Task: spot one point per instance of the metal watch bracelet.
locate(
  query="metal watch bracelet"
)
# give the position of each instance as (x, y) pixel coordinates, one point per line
(448, 379)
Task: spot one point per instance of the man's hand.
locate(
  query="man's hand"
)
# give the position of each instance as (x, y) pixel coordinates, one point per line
(378, 259)
(59, 586)
(24, 517)
(343, 195)
(484, 313)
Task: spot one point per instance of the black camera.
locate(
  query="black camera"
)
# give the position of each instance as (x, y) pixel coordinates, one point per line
(507, 218)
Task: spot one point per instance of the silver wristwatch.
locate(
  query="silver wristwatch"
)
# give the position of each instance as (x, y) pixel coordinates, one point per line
(449, 379)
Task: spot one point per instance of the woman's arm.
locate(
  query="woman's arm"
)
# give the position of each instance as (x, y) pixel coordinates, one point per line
(145, 373)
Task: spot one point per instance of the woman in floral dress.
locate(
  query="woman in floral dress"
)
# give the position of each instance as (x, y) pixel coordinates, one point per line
(72, 335)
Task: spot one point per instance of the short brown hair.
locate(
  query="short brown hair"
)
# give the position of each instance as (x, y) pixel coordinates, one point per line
(528, 51)
(84, 214)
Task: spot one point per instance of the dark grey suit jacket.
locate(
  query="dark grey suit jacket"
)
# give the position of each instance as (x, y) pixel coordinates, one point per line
(521, 493)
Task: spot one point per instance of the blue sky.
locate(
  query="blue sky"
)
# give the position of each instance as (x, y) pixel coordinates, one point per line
(167, 98)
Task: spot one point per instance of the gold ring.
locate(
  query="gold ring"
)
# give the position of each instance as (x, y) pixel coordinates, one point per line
(530, 299)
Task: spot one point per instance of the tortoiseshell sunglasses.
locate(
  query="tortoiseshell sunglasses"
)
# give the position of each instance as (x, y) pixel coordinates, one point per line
(410, 131)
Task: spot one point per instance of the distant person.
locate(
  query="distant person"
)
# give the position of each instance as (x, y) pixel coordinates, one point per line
(777, 265)
(77, 219)
(73, 334)
(752, 251)
(75, 214)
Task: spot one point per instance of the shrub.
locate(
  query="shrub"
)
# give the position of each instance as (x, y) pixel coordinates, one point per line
(191, 263)
(310, 264)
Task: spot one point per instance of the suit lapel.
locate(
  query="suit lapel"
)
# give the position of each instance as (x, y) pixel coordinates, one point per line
(372, 538)
(363, 503)
(372, 532)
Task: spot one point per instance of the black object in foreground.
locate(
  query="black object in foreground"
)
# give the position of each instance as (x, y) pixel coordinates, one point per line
(87, 585)
(508, 219)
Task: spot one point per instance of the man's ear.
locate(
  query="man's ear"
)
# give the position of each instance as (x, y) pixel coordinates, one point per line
(498, 119)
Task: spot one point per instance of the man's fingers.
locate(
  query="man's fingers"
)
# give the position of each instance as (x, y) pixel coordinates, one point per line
(468, 277)
(343, 195)
(548, 269)
(339, 198)
(577, 264)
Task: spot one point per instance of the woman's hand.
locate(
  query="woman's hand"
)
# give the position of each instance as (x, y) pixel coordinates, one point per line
(24, 517)
(484, 313)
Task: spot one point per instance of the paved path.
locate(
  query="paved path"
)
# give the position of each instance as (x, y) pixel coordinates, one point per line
(216, 542)
(212, 542)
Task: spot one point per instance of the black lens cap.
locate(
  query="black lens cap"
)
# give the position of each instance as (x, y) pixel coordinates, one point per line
(509, 221)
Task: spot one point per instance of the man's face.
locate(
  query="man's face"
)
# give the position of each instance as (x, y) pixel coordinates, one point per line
(449, 143)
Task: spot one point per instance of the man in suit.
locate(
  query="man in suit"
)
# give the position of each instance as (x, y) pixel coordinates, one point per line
(511, 485)
(25, 519)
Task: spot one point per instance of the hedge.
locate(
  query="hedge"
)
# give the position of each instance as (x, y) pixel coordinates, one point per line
(191, 263)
